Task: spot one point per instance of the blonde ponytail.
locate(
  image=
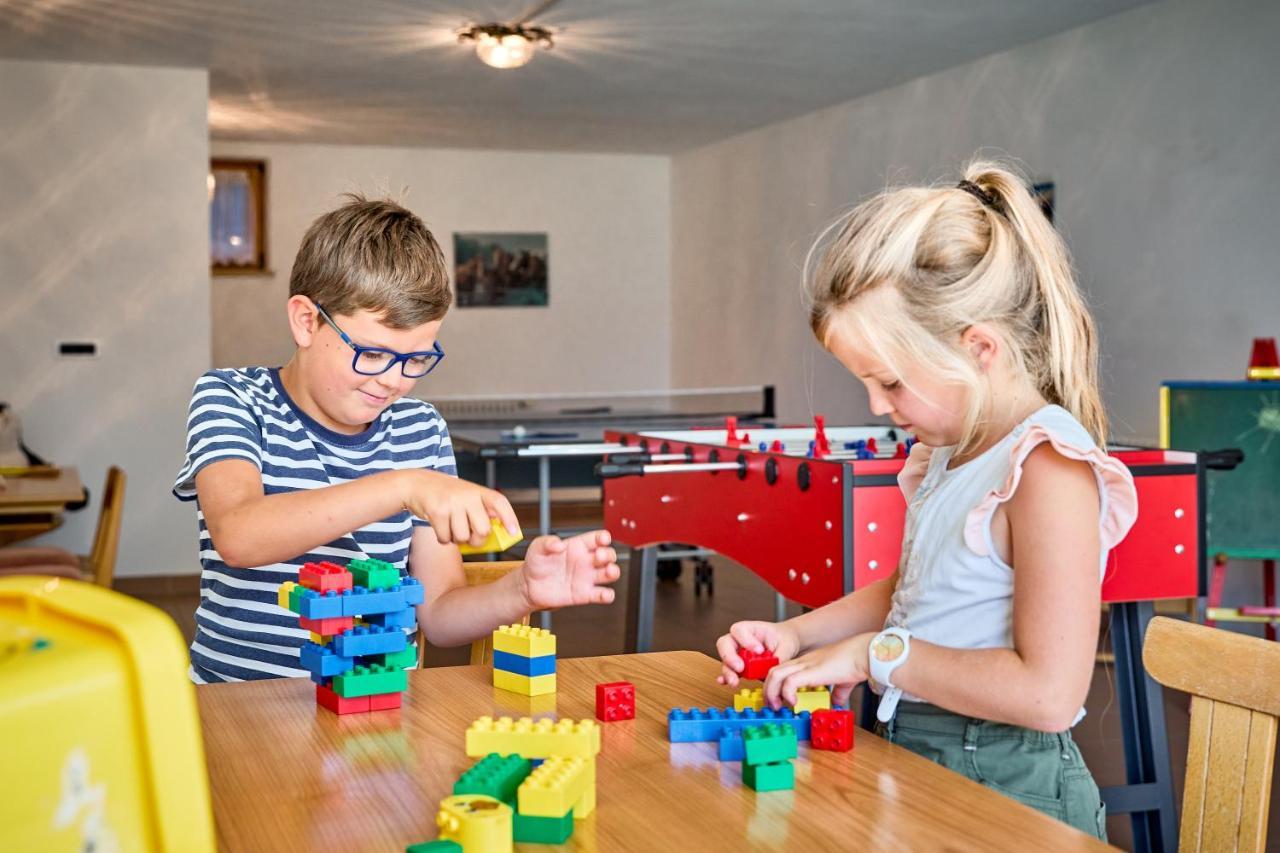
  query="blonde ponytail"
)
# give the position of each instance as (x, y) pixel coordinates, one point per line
(933, 261)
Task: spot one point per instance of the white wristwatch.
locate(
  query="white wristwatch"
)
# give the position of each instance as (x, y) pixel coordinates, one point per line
(888, 650)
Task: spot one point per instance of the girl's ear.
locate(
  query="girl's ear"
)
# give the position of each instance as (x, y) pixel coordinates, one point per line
(982, 344)
(304, 320)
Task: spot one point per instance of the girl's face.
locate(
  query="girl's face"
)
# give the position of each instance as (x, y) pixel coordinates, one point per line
(933, 412)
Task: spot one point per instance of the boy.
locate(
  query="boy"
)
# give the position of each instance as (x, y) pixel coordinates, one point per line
(326, 458)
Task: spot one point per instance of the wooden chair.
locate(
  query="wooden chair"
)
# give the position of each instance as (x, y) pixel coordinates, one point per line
(479, 573)
(1234, 681)
(99, 565)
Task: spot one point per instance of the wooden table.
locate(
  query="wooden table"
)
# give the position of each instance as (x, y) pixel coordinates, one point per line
(288, 776)
(31, 505)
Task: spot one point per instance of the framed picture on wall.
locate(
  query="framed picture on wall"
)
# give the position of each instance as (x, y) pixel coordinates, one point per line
(237, 217)
(493, 270)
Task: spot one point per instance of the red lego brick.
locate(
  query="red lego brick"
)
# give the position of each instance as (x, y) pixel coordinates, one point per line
(326, 698)
(758, 664)
(323, 577)
(615, 701)
(384, 701)
(328, 627)
(831, 730)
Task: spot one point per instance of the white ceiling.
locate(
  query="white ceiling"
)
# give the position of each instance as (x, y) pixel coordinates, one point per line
(625, 75)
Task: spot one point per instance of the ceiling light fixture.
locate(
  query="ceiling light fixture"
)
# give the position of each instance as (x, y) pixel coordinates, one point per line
(509, 45)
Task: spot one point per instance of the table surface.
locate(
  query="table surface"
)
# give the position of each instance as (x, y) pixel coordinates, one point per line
(35, 494)
(286, 775)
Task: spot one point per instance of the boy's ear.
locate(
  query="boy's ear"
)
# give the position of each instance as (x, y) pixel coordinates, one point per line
(983, 344)
(304, 320)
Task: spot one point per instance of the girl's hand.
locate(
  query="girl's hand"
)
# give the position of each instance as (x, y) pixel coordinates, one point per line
(566, 572)
(776, 637)
(843, 665)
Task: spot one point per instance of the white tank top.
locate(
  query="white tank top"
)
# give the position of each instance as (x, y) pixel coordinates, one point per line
(954, 589)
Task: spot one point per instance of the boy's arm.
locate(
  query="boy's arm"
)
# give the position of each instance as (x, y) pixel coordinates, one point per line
(556, 573)
(250, 528)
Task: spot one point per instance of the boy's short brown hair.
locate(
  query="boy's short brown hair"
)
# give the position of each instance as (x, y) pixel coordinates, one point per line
(376, 256)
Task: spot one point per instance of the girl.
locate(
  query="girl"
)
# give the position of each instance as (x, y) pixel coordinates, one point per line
(957, 308)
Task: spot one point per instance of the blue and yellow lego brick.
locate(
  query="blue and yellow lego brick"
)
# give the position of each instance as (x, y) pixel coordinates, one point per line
(521, 665)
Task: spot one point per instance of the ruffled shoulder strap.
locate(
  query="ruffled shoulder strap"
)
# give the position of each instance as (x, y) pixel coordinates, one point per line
(1118, 497)
(914, 469)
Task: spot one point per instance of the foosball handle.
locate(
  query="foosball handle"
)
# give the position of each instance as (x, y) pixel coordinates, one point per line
(608, 470)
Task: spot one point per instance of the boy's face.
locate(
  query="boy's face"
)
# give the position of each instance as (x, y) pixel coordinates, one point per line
(349, 400)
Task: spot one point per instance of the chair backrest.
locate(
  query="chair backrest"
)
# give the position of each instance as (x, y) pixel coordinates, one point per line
(106, 539)
(479, 573)
(1234, 681)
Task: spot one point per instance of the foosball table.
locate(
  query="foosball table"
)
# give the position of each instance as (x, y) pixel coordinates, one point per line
(817, 513)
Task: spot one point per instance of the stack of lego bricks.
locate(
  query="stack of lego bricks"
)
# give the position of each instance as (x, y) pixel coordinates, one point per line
(358, 618)
(524, 660)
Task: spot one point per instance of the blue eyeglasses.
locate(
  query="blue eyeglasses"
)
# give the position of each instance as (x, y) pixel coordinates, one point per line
(374, 361)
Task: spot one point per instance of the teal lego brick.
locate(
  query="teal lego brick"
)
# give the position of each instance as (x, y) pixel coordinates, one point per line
(769, 777)
(440, 845)
(495, 776)
(532, 829)
(368, 680)
(406, 657)
(374, 574)
(768, 744)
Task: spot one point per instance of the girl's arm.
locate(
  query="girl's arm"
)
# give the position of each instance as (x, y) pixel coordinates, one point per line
(1041, 682)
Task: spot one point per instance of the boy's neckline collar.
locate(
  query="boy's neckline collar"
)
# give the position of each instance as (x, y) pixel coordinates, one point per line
(314, 426)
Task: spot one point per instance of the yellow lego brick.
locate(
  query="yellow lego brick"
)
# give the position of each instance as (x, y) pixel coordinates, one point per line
(749, 697)
(553, 787)
(320, 638)
(537, 685)
(524, 640)
(812, 699)
(497, 541)
(533, 738)
(476, 822)
(282, 597)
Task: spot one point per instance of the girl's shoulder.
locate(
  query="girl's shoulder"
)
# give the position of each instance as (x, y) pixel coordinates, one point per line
(1057, 428)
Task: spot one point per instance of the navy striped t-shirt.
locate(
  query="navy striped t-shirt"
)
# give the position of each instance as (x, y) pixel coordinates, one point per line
(241, 632)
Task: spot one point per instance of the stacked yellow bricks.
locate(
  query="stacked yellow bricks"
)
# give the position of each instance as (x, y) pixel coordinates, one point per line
(561, 790)
(807, 699)
(524, 660)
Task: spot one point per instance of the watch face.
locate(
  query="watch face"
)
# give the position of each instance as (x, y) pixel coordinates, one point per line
(887, 648)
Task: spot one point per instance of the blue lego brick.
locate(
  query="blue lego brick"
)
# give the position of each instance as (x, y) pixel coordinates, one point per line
(322, 661)
(407, 618)
(698, 725)
(369, 640)
(413, 592)
(319, 605)
(731, 746)
(362, 602)
(544, 665)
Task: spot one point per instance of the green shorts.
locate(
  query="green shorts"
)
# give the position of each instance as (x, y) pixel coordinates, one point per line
(1038, 769)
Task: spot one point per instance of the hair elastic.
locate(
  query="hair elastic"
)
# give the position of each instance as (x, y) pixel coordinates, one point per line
(981, 195)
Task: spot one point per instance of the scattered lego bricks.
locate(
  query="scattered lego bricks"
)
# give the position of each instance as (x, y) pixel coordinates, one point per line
(749, 697)
(757, 664)
(524, 660)
(476, 822)
(357, 667)
(559, 786)
(708, 724)
(769, 777)
(494, 776)
(615, 701)
(533, 739)
(768, 744)
(812, 699)
(832, 729)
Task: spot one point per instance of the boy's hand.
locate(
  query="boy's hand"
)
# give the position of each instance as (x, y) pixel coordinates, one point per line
(566, 572)
(459, 511)
(775, 637)
(843, 665)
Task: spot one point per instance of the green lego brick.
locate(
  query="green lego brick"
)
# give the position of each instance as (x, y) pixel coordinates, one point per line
(374, 574)
(368, 680)
(407, 656)
(440, 845)
(769, 777)
(494, 776)
(295, 598)
(531, 829)
(768, 743)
